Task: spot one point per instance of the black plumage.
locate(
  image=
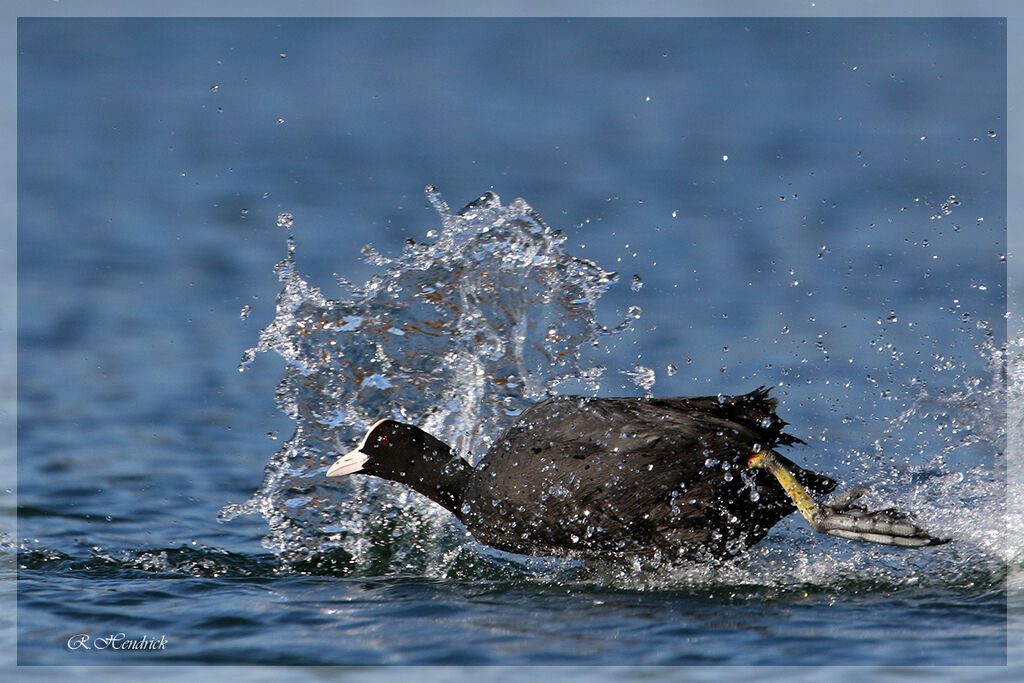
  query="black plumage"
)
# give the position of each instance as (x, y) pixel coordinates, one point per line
(598, 476)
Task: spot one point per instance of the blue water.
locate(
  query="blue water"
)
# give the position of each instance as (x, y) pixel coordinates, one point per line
(816, 205)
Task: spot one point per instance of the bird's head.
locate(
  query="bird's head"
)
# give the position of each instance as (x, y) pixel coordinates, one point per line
(386, 442)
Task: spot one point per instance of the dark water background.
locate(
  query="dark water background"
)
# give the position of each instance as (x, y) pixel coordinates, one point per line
(817, 205)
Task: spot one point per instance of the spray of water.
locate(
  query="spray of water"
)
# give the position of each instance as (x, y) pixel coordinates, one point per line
(461, 333)
(458, 335)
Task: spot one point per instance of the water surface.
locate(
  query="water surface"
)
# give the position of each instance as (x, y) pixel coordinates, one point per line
(708, 206)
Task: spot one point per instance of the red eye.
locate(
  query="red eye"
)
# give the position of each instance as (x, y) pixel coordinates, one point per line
(382, 440)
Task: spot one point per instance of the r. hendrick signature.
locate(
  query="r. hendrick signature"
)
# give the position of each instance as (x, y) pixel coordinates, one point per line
(116, 641)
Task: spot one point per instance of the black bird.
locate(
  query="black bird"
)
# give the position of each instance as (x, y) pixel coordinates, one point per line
(694, 478)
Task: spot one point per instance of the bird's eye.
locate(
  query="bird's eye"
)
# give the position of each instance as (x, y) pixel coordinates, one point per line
(382, 440)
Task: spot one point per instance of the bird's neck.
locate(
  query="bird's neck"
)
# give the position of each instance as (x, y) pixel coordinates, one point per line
(445, 484)
(436, 472)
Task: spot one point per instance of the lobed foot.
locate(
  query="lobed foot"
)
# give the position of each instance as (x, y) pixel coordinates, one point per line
(843, 518)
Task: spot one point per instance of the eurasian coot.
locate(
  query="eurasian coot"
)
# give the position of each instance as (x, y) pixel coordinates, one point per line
(683, 477)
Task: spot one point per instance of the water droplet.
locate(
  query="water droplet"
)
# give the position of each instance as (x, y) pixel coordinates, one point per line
(244, 313)
(637, 283)
(214, 88)
(672, 369)
(247, 358)
(280, 121)
(285, 220)
(641, 376)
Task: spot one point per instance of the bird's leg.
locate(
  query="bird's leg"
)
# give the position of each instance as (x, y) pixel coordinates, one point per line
(841, 517)
(808, 507)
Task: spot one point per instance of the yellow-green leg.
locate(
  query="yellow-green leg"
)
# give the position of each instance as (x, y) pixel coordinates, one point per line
(807, 506)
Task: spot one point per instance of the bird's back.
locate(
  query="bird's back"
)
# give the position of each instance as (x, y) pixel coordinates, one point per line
(629, 475)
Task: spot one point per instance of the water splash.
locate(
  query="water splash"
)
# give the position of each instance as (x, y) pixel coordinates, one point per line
(960, 485)
(952, 444)
(459, 336)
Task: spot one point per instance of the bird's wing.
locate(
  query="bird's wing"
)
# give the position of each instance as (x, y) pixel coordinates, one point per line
(598, 474)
